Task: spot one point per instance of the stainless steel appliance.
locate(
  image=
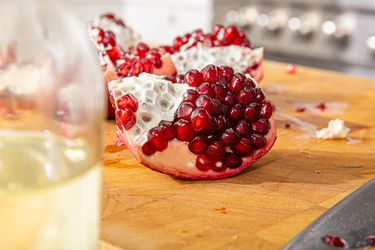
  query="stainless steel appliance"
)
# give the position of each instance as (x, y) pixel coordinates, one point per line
(337, 35)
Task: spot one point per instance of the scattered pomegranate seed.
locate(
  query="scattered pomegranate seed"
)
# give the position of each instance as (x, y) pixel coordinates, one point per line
(300, 109)
(199, 144)
(291, 69)
(287, 125)
(335, 241)
(321, 106)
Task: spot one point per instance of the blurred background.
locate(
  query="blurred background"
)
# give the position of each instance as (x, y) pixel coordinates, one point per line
(330, 34)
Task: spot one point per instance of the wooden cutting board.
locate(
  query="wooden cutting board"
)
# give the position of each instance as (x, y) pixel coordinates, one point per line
(264, 207)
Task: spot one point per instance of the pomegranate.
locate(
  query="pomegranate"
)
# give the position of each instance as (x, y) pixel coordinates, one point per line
(223, 46)
(196, 129)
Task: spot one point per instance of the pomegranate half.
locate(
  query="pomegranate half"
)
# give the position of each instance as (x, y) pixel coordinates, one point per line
(208, 124)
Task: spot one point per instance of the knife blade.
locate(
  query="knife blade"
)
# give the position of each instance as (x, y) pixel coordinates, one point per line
(352, 219)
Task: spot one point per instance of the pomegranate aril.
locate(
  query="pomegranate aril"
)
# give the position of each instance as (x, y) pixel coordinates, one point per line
(212, 127)
(220, 91)
(227, 73)
(157, 63)
(170, 78)
(190, 95)
(206, 89)
(142, 49)
(206, 103)
(260, 126)
(125, 118)
(237, 83)
(208, 41)
(167, 129)
(165, 50)
(109, 39)
(218, 166)
(157, 139)
(249, 82)
(199, 144)
(147, 149)
(193, 78)
(203, 163)
(229, 137)
(107, 16)
(242, 128)
(215, 150)
(127, 101)
(100, 35)
(236, 112)
(321, 106)
(246, 95)
(178, 42)
(222, 122)
(200, 119)
(184, 130)
(334, 241)
(259, 94)
(231, 32)
(251, 112)
(184, 110)
(114, 54)
(259, 141)
(243, 147)
(230, 99)
(147, 65)
(209, 73)
(180, 78)
(266, 109)
(218, 28)
(232, 161)
(212, 138)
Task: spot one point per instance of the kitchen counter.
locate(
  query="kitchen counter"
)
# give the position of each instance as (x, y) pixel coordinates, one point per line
(267, 205)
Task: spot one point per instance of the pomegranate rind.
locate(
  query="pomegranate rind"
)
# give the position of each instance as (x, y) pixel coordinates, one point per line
(166, 161)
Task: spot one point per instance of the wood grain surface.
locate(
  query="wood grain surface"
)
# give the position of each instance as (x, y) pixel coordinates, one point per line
(264, 207)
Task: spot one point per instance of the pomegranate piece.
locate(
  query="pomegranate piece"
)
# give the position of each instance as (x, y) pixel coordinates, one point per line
(291, 69)
(334, 241)
(208, 131)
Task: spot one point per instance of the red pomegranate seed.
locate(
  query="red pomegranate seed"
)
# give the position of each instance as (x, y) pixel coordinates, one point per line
(147, 65)
(208, 41)
(180, 78)
(213, 126)
(259, 94)
(184, 110)
(199, 144)
(300, 109)
(266, 110)
(142, 49)
(249, 82)
(371, 239)
(237, 83)
(200, 119)
(246, 95)
(184, 130)
(123, 69)
(218, 166)
(109, 39)
(209, 73)
(127, 101)
(227, 73)
(251, 112)
(137, 68)
(193, 78)
(335, 241)
(212, 138)
(153, 55)
(242, 128)
(230, 99)
(291, 69)
(125, 118)
(190, 95)
(258, 140)
(206, 89)
(165, 50)
(287, 125)
(114, 54)
(229, 137)
(206, 103)
(158, 63)
(178, 42)
(321, 106)
(239, 39)
(260, 126)
(222, 122)
(170, 78)
(243, 147)
(100, 35)
(147, 149)
(231, 33)
(157, 139)
(236, 112)
(220, 91)
(109, 16)
(232, 161)
(215, 150)
(168, 129)
(186, 38)
(216, 30)
(203, 163)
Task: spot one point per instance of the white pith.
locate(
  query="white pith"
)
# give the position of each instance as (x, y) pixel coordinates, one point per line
(238, 57)
(157, 99)
(336, 130)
